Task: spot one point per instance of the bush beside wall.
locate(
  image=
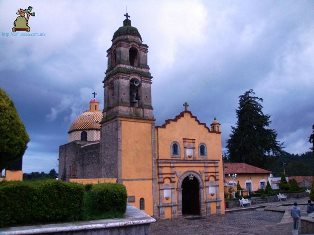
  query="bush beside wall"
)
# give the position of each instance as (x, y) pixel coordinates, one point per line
(109, 197)
(35, 202)
(39, 202)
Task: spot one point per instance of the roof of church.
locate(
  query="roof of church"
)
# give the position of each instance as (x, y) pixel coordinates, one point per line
(126, 29)
(243, 168)
(87, 121)
(168, 121)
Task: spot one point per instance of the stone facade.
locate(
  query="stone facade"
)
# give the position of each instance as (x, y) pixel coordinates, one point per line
(161, 167)
(79, 160)
(205, 168)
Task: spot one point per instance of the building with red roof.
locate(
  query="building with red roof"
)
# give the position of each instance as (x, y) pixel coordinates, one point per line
(251, 178)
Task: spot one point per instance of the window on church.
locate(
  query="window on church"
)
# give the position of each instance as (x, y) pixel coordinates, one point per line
(142, 204)
(202, 150)
(113, 58)
(133, 57)
(175, 150)
(83, 136)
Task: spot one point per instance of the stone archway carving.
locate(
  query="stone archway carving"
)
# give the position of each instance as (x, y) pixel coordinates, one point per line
(201, 191)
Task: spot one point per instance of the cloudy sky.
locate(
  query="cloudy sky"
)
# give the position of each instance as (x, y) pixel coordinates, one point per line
(204, 52)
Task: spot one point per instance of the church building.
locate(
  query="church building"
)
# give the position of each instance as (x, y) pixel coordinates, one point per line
(170, 170)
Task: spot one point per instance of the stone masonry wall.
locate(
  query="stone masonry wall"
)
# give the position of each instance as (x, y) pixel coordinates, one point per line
(109, 149)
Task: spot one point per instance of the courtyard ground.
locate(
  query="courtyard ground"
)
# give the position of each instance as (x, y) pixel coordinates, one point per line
(272, 218)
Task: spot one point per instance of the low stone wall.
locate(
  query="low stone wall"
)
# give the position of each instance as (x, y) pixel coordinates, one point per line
(135, 222)
(297, 195)
(259, 200)
(232, 203)
(307, 225)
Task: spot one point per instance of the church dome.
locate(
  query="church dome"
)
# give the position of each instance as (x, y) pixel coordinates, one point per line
(126, 30)
(89, 120)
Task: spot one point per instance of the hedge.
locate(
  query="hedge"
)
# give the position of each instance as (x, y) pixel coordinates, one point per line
(34, 202)
(39, 202)
(108, 197)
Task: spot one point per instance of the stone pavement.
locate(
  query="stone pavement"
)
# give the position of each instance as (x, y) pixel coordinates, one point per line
(268, 218)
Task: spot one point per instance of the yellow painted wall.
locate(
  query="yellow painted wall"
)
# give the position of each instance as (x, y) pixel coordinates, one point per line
(255, 178)
(141, 189)
(136, 151)
(136, 160)
(13, 175)
(188, 127)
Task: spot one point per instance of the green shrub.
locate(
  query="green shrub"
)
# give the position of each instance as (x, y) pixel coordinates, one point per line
(59, 201)
(293, 186)
(239, 186)
(108, 197)
(33, 202)
(268, 189)
(39, 202)
(15, 203)
(88, 187)
(284, 185)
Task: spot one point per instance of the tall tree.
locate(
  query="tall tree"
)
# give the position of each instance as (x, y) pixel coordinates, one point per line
(311, 139)
(13, 136)
(251, 141)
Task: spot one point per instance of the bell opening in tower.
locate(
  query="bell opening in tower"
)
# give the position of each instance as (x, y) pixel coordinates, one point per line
(133, 56)
(134, 92)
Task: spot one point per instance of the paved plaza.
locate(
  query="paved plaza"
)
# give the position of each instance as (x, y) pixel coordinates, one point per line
(271, 218)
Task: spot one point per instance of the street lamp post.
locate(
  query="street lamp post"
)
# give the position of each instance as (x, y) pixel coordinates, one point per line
(233, 177)
(284, 169)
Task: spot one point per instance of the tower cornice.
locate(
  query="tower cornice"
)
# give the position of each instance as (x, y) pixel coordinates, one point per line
(124, 69)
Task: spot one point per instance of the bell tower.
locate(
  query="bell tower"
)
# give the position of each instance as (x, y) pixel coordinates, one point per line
(127, 84)
(127, 128)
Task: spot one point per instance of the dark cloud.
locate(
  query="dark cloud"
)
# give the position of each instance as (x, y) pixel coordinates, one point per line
(205, 53)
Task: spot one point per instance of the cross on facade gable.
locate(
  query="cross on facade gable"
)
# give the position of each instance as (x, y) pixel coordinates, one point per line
(127, 16)
(94, 93)
(186, 105)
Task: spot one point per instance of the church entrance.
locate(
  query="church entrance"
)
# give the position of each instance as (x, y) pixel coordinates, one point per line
(190, 196)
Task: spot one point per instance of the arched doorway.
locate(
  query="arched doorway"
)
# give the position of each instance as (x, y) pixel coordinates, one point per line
(190, 196)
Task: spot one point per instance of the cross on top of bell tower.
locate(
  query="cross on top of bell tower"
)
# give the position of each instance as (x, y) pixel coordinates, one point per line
(127, 16)
(127, 21)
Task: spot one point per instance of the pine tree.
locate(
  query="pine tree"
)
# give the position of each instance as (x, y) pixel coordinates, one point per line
(268, 189)
(239, 186)
(251, 141)
(284, 185)
(13, 136)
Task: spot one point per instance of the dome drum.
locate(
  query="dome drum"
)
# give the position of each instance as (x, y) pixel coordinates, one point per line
(86, 127)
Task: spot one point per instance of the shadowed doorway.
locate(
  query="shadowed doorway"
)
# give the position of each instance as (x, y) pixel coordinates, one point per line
(190, 196)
